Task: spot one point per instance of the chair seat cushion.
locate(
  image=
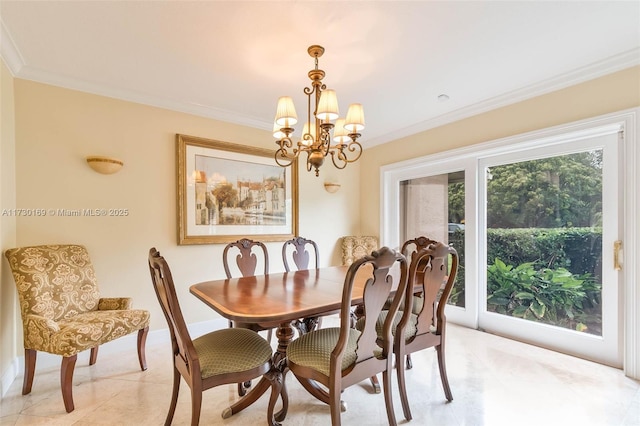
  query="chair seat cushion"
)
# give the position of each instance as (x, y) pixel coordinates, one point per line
(83, 331)
(231, 350)
(409, 331)
(314, 349)
(418, 301)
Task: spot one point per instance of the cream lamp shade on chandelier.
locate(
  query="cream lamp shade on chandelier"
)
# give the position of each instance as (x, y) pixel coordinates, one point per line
(316, 139)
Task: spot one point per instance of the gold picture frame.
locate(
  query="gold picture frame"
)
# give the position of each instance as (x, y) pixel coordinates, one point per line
(227, 191)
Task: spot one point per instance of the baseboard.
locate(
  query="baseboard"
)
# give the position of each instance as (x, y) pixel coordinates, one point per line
(10, 375)
(126, 343)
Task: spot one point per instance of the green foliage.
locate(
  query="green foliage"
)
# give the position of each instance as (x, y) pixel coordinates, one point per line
(538, 293)
(579, 250)
(456, 240)
(561, 191)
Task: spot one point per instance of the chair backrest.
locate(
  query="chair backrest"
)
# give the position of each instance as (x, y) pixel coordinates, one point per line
(166, 292)
(354, 247)
(438, 265)
(377, 290)
(411, 247)
(54, 281)
(300, 253)
(246, 260)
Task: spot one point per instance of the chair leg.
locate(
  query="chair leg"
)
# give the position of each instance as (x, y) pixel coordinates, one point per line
(409, 363)
(402, 387)
(174, 396)
(196, 403)
(375, 383)
(66, 381)
(94, 355)
(335, 406)
(142, 341)
(388, 399)
(443, 371)
(29, 370)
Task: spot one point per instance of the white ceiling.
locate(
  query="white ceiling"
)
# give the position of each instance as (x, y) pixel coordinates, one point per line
(231, 60)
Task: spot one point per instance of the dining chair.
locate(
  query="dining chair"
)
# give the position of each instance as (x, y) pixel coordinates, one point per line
(297, 252)
(430, 268)
(63, 313)
(338, 357)
(246, 261)
(226, 356)
(409, 248)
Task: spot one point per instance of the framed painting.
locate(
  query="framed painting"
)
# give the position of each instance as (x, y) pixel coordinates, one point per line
(227, 191)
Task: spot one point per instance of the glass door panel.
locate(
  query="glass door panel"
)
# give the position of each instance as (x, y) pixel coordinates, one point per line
(550, 220)
(544, 241)
(434, 207)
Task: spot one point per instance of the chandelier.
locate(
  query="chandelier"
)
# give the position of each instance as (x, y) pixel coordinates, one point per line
(316, 140)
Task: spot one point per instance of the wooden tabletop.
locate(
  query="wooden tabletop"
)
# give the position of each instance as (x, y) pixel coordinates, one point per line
(279, 297)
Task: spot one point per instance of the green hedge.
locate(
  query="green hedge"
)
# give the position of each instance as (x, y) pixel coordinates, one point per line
(577, 250)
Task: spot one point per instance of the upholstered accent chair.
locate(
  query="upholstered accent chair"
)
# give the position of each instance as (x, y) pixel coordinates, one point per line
(354, 247)
(63, 313)
(338, 357)
(227, 356)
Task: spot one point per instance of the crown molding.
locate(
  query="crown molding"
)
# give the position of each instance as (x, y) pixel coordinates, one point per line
(40, 76)
(609, 65)
(9, 51)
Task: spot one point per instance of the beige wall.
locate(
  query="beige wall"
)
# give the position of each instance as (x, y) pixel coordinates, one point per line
(57, 128)
(8, 306)
(607, 94)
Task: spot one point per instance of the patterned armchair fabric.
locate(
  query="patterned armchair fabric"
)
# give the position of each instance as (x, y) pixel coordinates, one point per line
(356, 247)
(63, 313)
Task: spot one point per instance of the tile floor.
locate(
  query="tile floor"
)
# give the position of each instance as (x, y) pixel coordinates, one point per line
(495, 381)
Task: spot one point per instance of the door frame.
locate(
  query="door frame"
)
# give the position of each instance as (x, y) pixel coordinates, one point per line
(392, 174)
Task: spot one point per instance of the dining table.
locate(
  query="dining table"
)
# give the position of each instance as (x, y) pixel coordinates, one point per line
(278, 300)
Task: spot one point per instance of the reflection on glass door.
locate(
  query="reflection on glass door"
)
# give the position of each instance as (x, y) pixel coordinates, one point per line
(433, 206)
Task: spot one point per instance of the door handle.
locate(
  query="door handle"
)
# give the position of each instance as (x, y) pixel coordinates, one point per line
(617, 247)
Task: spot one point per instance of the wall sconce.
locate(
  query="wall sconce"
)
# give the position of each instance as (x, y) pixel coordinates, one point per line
(331, 187)
(104, 165)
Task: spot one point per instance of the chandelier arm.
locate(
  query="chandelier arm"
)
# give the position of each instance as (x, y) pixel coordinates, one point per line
(283, 157)
(341, 157)
(278, 157)
(354, 146)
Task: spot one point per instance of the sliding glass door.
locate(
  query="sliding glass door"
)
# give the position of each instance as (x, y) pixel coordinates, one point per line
(536, 223)
(549, 222)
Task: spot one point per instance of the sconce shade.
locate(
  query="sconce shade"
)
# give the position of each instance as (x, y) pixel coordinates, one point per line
(328, 106)
(355, 118)
(286, 112)
(104, 165)
(331, 187)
